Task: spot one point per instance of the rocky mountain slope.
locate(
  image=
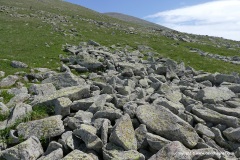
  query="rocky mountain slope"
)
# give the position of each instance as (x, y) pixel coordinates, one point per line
(130, 92)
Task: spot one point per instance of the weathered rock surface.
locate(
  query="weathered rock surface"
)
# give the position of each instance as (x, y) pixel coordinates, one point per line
(163, 122)
(18, 64)
(8, 81)
(77, 154)
(43, 128)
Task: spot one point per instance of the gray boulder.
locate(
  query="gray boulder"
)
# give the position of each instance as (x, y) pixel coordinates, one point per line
(21, 110)
(29, 149)
(42, 89)
(19, 98)
(73, 93)
(88, 134)
(43, 128)
(63, 80)
(220, 78)
(111, 114)
(163, 122)
(54, 155)
(8, 81)
(174, 151)
(53, 145)
(3, 109)
(204, 130)
(214, 94)
(141, 134)
(215, 117)
(156, 142)
(232, 134)
(62, 106)
(77, 154)
(123, 133)
(18, 64)
(82, 104)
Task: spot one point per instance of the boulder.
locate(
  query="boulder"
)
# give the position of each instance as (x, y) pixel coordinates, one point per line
(8, 81)
(43, 128)
(42, 89)
(141, 134)
(214, 94)
(166, 124)
(62, 106)
(123, 134)
(204, 130)
(3, 109)
(156, 142)
(54, 155)
(232, 134)
(29, 149)
(18, 64)
(77, 154)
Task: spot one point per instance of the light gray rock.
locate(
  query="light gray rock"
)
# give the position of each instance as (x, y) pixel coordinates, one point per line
(156, 142)
(235, 112)
(18, 64)
(220, 140)
(130, 108)
(206, 153)
(123, 133)
(54, 155)
(174, 151)
(73, 93)
(3, 109)
(19, 98)
(62, 106)
(214, 94)
(84, 117)
(111, 114)
(63, 80)
(43, 128)
(220, 78)
(82, 104)
(77, 154)
(233, 104)
(232, 134)
(163, 122)
(42, 89)
(53, 145)
(104, 131)
(232, 86)
(141, 134)
(204, 77)
(8, 81)
(117, 153)
(88, 134)
(215, 117)
(91, 42)
(20, 111)
(29, 149)
(176, 108)
(89, 62)
(204, 130)
(19, 90)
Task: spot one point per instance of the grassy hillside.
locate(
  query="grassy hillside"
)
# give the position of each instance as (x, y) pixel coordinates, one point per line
(33, 31)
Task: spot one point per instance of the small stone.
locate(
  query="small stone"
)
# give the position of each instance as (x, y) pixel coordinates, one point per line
(18, 64)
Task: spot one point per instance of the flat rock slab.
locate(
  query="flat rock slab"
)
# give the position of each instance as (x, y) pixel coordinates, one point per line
(8, 81)
(29, 149)
(214, 94)
(73, 93)
(166, 124)
(18, 64)
(123, 133)
(77, 154)
(44, 128)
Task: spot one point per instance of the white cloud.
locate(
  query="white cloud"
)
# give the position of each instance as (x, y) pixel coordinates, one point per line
(217, 18)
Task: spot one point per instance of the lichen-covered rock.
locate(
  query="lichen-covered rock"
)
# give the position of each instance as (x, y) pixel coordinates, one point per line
(73, 93)
(29, 149)
(215, 117)
(111, 152)
(54, 155)
(88, 134)
(156, 142)
(42, 89)
(77, 154)
(8, 81)
(232, 134)
(163, 122)
(174, 151)
(204, 130)
(123, 133)
(43, 128)
(214, 94)
(62, 106)
(141, 135)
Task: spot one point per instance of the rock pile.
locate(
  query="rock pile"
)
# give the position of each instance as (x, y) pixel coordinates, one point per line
(121, 106)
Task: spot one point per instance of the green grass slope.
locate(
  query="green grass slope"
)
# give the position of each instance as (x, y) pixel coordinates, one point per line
(33, 31)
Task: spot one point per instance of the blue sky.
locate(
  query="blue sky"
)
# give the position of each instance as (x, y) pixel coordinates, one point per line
(206, 17)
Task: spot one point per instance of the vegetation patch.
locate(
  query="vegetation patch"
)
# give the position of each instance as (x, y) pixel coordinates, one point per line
(6, 96)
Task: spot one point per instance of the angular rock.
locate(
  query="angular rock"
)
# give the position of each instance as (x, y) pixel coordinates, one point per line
(63, 80)
(62, 106)
(213, 94)
(163, 122)
(88, 134)
(141, 134)
(18, 64)
(111, 114)
(220, 78)
(204, 130)
(130, 108)
(156, 142)
(82, 104)
(54, 155)
(8, 81)
(43, 128)
(232, 134)
(52, 147)
(42, 89)
(19, 98)
(20, 111)
(204, 77)
(77, 154)
(174, 151)
(73, 93)
(123, 133)
(215, 117)
(29, 149)
(232, 86)
(113, 152)
(3, 109)
(84, 117)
